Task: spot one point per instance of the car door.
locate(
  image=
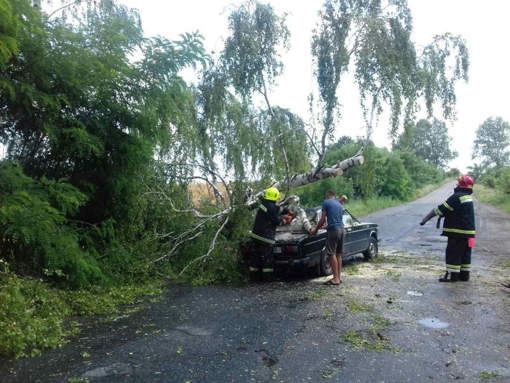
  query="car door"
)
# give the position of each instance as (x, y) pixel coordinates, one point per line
(348, 245)
(357, 234)
(358, 238)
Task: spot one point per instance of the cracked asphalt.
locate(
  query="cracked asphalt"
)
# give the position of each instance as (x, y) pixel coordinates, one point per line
(297, 330)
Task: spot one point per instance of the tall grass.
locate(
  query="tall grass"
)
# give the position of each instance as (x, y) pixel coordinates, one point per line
(422, 192)
(360, 208)
(493, 196)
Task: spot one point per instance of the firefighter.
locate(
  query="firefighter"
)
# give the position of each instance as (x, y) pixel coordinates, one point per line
(459, 226)
(264, 230)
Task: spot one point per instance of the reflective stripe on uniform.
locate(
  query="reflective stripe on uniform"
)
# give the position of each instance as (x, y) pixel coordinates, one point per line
(254, 269)
(448, 206)
(262, 239)
(263, 208)
(458, 231)
(466, 199)
(438, 212)
(267, 270)
(453, 268)
(465, 267)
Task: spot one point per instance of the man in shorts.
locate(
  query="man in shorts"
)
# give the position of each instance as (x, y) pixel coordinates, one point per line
(333, 211)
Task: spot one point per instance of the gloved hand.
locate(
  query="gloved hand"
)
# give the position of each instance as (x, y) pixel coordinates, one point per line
(428, 217)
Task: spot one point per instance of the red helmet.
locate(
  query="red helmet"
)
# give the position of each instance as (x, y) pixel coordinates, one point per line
(465, 181)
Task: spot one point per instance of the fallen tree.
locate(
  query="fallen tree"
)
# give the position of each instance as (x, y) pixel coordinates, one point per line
(371, 38)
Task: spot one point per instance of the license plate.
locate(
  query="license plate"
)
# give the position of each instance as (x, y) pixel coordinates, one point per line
(277, 250)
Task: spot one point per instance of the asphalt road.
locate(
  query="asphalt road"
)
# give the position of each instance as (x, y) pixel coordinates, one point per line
(297, 330)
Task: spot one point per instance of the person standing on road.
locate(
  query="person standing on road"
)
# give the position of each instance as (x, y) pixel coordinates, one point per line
(459, 226)
(333, 210)
(343, 199)
(264, 230)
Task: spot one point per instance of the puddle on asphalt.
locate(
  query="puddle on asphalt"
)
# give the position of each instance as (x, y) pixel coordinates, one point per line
(415, 293)
(433, 323)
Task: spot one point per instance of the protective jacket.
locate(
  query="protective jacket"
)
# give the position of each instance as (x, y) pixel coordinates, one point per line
(266, 221)
(459, 214)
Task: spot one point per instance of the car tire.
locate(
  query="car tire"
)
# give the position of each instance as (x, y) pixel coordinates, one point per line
(372, 250)
(325, 265)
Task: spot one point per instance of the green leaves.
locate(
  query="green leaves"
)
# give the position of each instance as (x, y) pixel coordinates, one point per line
(268, 141)
(492, 141)
(251, 55)
(444, 62)
(33, 223)
(429, 141)
(331, 58)
(375, 36)
(9, 25)
(31, 317)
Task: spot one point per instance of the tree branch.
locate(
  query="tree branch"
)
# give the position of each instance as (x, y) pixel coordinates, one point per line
(211, 248)
(287, 168)
(67, 6)
(177, 246)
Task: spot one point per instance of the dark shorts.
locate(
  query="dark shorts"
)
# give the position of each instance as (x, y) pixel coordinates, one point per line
(335, 241)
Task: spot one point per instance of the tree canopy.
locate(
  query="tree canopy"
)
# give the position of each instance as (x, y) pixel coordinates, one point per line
(428, 140)
(492, 142)
(373, 38)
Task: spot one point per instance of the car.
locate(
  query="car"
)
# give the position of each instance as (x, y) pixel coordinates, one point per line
(295, 248)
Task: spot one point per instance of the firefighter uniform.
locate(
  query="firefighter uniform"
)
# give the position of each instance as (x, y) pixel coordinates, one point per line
(264, 234)
(459, 226)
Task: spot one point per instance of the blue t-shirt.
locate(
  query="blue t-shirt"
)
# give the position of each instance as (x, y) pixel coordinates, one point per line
(334, 212)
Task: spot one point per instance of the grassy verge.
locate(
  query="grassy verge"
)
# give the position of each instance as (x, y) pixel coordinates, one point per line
(360, 208)
(492, 196)
(422, 192)
(33, 314)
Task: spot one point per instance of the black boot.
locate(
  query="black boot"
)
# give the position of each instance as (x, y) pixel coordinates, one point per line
(454, 277)
(464, 275)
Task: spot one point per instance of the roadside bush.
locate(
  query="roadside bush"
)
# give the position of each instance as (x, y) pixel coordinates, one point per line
(453, 173)
(503, 182)
(398, 183)
(35, 236)
(315, 193)
(421, 172)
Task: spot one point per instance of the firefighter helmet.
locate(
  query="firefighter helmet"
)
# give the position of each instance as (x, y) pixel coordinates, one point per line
(465, 181)
(272, 194)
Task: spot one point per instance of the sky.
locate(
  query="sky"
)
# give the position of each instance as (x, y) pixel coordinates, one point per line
(485, 29)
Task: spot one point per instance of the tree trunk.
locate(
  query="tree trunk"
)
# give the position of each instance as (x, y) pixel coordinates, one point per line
(317, 175)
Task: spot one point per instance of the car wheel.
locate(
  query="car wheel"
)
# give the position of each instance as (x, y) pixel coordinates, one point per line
(372, 250)
(325, 265)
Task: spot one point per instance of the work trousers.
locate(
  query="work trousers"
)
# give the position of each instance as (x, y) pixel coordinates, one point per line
(261, 258)
(458, 255)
